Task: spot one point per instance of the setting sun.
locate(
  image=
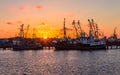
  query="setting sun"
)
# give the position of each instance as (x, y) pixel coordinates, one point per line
(45, 37)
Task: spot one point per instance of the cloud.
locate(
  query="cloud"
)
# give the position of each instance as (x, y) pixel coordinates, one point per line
(9, 23)
(13, 8)
(22, 8)
(15, 22)
(38, 7)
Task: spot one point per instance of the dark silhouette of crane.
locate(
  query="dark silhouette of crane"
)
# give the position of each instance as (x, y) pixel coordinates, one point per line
(21, 34)
(74, 24)
(26, 34)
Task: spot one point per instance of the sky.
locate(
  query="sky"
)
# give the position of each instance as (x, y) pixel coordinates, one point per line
(47, 16)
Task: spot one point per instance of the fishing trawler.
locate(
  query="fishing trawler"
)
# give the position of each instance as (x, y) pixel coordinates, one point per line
(93, 41)
(113, 41)
(23, 43)
(64, 43)
(26, 44)
(83, 41)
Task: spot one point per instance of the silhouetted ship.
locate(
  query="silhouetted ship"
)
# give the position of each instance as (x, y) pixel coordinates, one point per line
(93, 41)
(23, 43)
(26, 44)
(64, 43)
(113, 40)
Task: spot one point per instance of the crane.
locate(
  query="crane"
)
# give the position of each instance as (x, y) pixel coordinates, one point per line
(22, 31)
(73, 23)
(26, 35)
(95, 29)
(81, 32)
(91, 28)
(79, 26)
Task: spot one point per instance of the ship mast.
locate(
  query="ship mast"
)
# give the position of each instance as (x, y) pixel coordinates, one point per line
(64, 28)
(34, 33)
(26, 35)
(114, 35)
(115, 31)
(22, 31)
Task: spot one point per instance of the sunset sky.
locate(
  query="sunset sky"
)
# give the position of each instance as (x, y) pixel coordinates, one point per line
(47, 16)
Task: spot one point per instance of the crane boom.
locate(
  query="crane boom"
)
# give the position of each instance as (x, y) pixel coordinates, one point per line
(26, 35)
(79, 26)
(22, 31)
(73, 23)
(91, 29)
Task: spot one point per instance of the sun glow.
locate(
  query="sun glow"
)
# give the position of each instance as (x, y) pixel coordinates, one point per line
(45, 37)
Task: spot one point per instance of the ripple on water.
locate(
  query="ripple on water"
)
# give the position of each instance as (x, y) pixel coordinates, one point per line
(59, 62)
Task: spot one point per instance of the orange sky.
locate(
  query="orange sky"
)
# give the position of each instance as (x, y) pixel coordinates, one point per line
(52, 13)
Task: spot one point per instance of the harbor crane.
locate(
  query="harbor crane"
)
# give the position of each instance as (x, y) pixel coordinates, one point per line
(81, 32)
(26, 34)
(79, 26)
(91, 28)
(21, 34)
(94, 30)
(74, 24)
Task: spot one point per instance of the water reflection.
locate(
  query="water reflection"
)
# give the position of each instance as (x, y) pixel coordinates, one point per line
(49, 62)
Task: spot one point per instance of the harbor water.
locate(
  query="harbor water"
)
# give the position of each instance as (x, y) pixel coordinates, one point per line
(49, 62)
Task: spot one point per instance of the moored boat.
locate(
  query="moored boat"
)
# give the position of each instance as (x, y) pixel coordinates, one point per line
(26, 44)
(93, 41)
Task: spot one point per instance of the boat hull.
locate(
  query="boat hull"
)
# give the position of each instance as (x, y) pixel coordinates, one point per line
(98, 47)
(83, 47)
(26, 48)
